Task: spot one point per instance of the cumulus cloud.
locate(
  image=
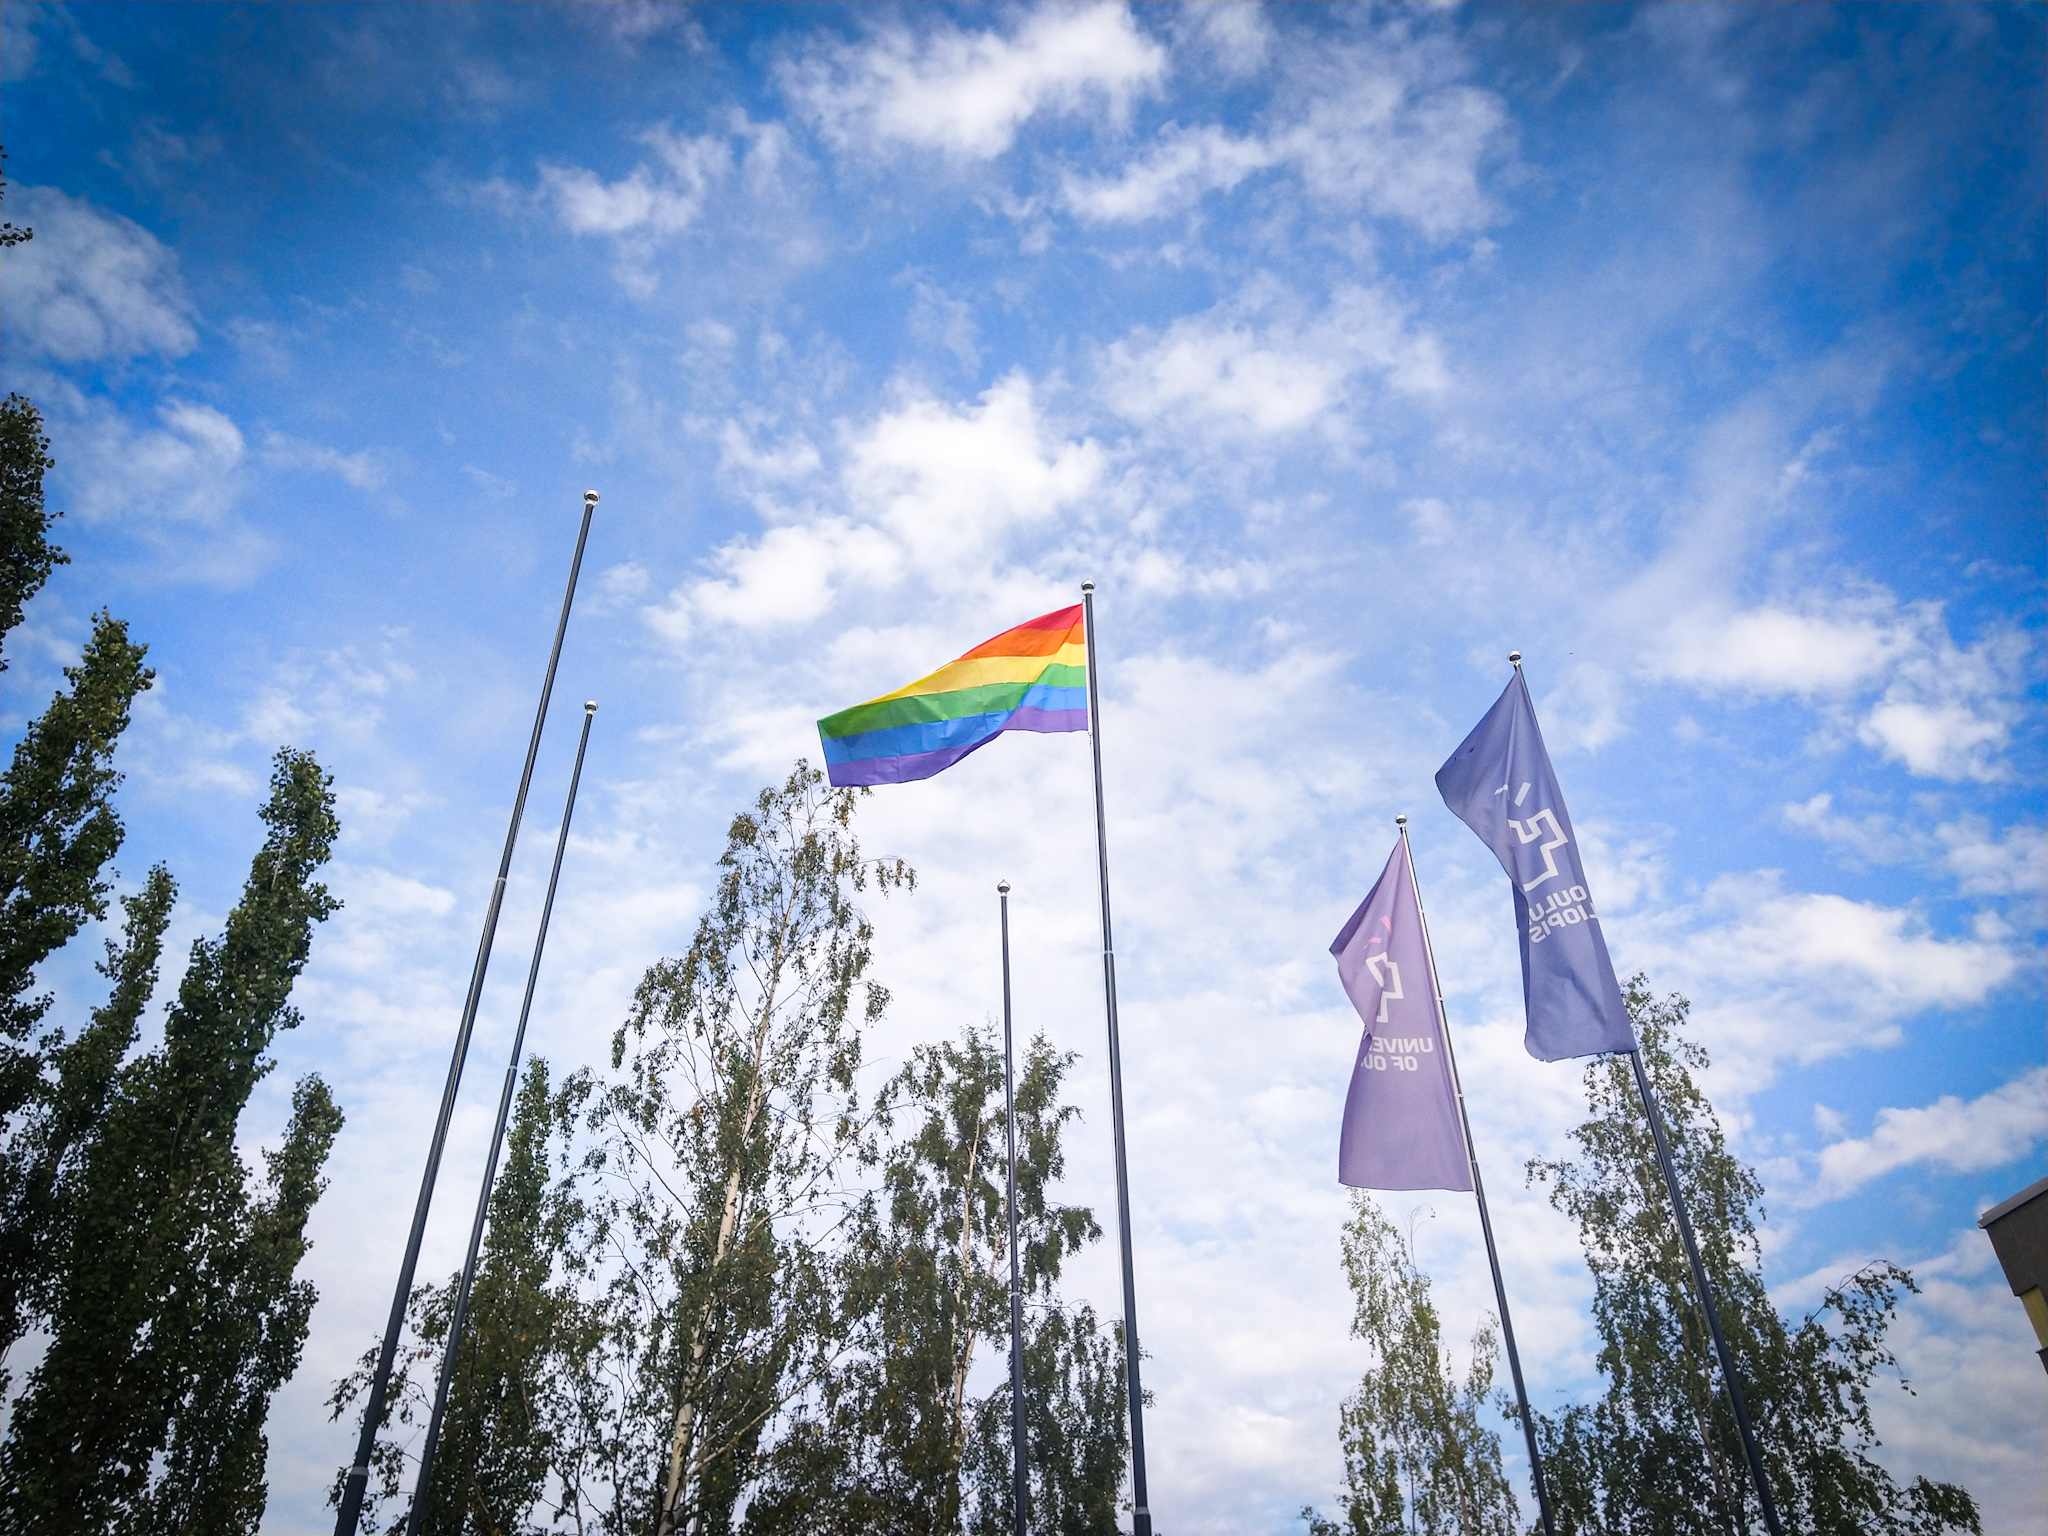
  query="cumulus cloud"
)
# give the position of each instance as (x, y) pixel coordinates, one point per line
(1989, 1131)
(965, 92)
(1984, 862)
(661, 197)
(1798, 976)
(185, 469)
(1941, 710)
(92, 287)
(1388, 126)
(926, 489)
(1259, 366)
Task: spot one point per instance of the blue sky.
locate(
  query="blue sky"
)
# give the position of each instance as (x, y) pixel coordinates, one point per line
(1695, 352)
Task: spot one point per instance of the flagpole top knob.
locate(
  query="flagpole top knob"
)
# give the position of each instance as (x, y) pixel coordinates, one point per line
(1087, 586)
(590, 498)
(1401, 822)
(1002, 887)
(590, 706)
(1515, 658)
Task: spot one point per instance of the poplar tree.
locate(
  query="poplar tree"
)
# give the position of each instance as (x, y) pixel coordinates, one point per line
(58, 832)
(1658, 1451)
(497, 1440)
(172, 1307)
(1417, 1455)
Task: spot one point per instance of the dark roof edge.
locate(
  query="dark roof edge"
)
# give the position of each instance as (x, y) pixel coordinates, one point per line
(2006, 1207)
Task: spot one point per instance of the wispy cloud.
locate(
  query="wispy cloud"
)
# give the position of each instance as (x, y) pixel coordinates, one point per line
(965, 92)
(1965, 1136)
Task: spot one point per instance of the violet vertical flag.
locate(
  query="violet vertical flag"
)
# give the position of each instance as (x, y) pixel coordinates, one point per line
(1499, 783)
(1401, 1117)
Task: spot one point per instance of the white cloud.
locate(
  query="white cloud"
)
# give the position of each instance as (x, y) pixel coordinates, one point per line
(1258, 366)
(662, 198)
(1387, 126)
(2014, 864)
(92, 286)
(1180, 167)
(363, 469)
(1989, 1131)
(966, 92)
(186, 470)
(1783, 976)
(1944, 711)
(927, 490)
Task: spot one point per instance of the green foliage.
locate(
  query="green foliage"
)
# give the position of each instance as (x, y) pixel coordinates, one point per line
(496, 1441)
(65, 1114)
(721, 1138)
(890, 1441)
(1659, 1452)
(172, 1311)
(12, 234)
(26, 554)
(1416, 1456)
(57, 832)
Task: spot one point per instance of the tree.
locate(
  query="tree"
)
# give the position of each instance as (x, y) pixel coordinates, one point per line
(58, 833)
(721, 1138)
(172, 1309)
(496, 1440)
(1416, 1455)
(891, 1441)
(26, 554)
(1659, 1452)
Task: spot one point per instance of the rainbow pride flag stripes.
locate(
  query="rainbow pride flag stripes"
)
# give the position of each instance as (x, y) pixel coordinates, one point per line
(1031, 678)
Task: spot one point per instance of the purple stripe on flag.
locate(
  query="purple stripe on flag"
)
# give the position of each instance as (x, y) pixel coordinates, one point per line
(1031, 718)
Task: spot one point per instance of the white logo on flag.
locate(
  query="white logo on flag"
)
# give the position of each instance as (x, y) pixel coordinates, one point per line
(1532, 829)
(1389, 988)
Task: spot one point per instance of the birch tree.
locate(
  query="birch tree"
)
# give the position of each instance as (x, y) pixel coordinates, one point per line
(1659, 1451)
(722, 1137)
(1417, 1454)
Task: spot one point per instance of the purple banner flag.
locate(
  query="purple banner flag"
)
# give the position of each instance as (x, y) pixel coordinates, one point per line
(1500, 784)
(1401, 1117)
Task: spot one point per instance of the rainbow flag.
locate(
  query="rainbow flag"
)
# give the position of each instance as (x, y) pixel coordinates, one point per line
(1031, 678)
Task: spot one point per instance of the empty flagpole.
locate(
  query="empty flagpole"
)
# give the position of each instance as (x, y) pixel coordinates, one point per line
(1141, 1511)
(1500, 1293)
(1020, 1494)
(483, 1199)
(351, 1509)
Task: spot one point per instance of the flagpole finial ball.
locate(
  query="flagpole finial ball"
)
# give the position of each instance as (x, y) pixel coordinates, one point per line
(1002, 887)
(1515, 658)
(1087, 586)
(1401, 821)
(590, 498)
(590, 706)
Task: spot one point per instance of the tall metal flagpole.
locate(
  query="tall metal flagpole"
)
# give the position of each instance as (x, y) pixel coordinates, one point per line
(1699, 1280)
(1729, 1381)
(350, 1513)
(483, 1200)
(1020, 1487)
(1500, 1292)
(1141, 1511)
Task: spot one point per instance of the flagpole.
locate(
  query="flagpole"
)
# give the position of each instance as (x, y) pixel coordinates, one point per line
(1020, 1494)
(483, 1200)
(351, 1507)
(1141, 1512)
(1500, 1292)
(1699, 1279)
(1729, 1380)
